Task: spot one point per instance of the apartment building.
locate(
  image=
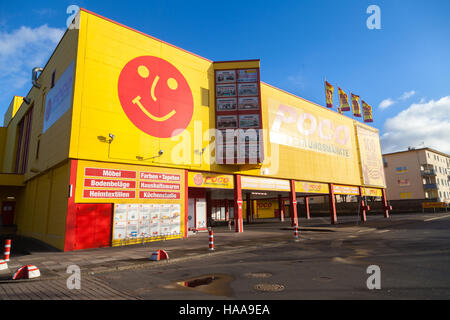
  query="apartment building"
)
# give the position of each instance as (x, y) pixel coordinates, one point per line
(417, 174)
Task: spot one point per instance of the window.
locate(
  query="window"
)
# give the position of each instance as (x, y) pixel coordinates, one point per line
(53, 79)
(37, 148)
(24, 130)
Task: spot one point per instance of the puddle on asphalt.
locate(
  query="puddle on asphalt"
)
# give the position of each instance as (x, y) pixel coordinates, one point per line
(215, 284)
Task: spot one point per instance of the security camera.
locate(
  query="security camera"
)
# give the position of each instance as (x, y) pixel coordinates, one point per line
(111, 136)
(160, 152)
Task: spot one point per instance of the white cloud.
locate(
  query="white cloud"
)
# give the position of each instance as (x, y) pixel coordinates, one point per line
(389, 102)
(427, 123)
(407, 95)
(386, 103)
(20, 51)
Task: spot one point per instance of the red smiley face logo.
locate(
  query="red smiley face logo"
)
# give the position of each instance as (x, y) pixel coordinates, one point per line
(155, 96)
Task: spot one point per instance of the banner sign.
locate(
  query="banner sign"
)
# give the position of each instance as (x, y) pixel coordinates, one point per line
(433, 205)
(210, 180)
(59, 98)
(311, 187)
(103, 182)
(329, 94)
(355, 105)
(254, 183)
(343, 100)
(371, 159)
(350, 190)
(372, 192)
(367, 112)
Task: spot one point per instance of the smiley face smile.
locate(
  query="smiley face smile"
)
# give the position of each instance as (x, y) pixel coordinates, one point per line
(155, 96)
(137, 101)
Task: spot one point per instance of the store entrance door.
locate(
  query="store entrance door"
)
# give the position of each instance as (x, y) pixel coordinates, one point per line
(197, 210)
(8, 208)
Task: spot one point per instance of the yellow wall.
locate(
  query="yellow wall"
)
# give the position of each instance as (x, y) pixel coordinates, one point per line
(105, 48)
(54, 143)
(12, 109)
(42, 209)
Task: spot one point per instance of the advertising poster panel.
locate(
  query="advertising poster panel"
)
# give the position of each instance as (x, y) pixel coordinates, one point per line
(59, 98)
(371, 159)
(242, 111)
(120, 222)
(200, 214)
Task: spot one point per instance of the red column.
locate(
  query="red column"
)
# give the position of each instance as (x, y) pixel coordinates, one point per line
(386, 208)
(293, 200)
(281, 208)
(238, 204)
(69, 243)
(186, 199)
(363, 205)
(332, 205)
(307, 208)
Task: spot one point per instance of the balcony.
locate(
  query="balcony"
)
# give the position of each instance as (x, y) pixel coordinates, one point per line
(428, 172)
(430, 186)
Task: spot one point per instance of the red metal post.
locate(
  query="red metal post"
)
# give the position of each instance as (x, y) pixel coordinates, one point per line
(386, 208)
(363, 205)
(186, 199)
(293, 200)
(307, 208)
(332, 201)
(7, 252)
(211, 240)
(238, 204)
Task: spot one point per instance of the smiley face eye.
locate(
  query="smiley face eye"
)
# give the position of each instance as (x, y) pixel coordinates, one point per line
(172, 83)
(143, 71)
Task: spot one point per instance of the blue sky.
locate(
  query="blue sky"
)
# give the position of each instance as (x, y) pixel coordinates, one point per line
(402, 70)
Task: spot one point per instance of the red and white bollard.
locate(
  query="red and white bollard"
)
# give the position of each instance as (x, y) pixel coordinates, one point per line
(296, 232)
(7, 249)
(211, 240)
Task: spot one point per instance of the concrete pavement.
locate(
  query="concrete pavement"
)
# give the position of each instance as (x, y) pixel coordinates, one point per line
(257, 235)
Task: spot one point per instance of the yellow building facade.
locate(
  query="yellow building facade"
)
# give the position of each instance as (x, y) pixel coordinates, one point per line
(125, 139)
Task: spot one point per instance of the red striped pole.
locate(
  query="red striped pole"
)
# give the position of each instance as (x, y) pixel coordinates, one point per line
(7, 249)
(211, 240)
(296, 232)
